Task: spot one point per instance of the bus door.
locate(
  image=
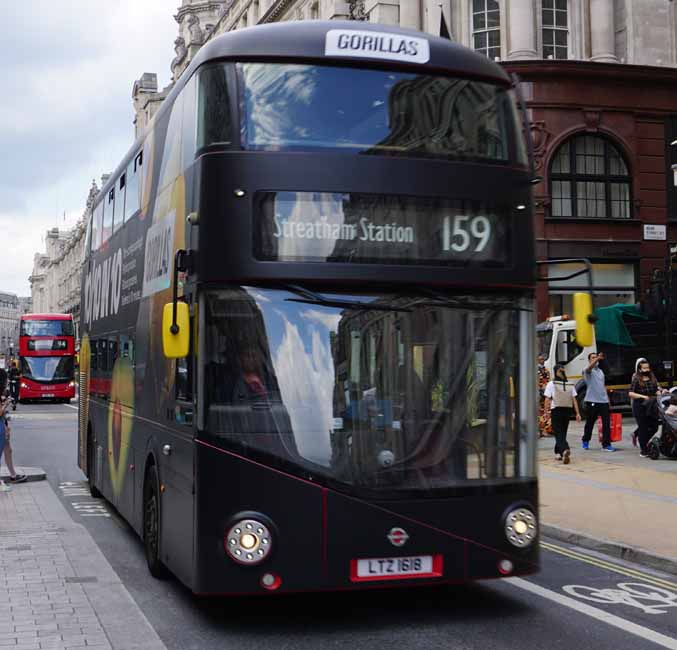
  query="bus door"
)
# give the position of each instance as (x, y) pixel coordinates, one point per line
(177, 464)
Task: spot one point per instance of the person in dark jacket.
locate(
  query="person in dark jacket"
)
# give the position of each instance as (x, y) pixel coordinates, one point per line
(643, 388)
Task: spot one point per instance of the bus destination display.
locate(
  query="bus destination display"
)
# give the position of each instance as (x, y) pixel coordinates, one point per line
(369, 228)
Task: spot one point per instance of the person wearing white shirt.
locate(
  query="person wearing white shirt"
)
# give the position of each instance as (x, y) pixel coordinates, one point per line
(561, 400)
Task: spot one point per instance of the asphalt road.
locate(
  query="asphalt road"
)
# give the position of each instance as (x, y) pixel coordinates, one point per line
(580, 599)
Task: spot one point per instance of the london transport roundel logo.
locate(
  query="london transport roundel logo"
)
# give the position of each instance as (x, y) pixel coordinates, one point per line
(398, 536)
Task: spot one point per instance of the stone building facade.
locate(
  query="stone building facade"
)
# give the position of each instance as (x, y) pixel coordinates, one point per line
(55, 281)
(600, 81)
(11, 309)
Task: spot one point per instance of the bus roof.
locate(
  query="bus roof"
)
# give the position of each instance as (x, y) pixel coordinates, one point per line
(307, 39)
(46, 317)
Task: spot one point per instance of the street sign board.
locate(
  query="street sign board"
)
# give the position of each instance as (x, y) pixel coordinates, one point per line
(655, 232)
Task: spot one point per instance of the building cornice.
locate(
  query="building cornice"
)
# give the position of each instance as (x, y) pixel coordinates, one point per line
(207, 5)
(276, 10)
(555, 70)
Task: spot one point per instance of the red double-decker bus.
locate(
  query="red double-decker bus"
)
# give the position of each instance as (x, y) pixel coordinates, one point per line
(47, 357)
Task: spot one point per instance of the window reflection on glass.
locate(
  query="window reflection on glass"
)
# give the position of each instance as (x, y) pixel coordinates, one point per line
(368, 397)
(304, 107)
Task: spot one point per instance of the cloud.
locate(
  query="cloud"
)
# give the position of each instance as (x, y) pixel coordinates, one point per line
(66, 115)
(306, 380)
(330, 320)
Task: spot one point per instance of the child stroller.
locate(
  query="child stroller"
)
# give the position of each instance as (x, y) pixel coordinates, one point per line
(665, 441)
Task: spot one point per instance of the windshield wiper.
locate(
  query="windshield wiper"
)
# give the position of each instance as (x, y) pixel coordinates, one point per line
(440, 300)
(314, 298)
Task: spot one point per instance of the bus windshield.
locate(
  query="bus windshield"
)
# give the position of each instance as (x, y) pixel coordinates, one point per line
(380, 392)
(293, 107)
(48, 369)
(47, 328)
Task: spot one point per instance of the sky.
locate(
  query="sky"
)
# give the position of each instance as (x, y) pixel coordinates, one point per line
(68, 68)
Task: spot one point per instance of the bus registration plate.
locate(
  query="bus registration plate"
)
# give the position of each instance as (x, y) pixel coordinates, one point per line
(385, 568)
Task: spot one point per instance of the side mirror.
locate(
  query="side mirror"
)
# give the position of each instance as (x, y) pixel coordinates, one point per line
(176, 338)
(584, 319)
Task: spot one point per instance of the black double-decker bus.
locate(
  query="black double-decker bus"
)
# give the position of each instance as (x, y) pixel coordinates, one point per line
(308, 342)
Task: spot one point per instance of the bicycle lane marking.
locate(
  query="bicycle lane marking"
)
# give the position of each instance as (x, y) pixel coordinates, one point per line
(650, 599)
(595, 613)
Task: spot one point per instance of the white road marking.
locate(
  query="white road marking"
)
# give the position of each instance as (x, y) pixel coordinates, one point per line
(596, 613)
(70, 406)
(628, 593)
(89, 508)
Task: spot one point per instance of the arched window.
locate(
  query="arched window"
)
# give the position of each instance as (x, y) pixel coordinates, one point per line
(555, 23)
(589, 180)
(486, 28)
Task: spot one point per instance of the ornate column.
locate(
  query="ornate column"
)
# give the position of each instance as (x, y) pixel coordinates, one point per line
(410, 14)
(602, 37)
(522, 29)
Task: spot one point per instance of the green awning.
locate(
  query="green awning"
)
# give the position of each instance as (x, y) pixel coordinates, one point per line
(610, 327)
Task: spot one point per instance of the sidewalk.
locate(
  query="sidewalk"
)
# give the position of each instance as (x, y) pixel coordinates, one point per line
(616, 503)
(57, 590)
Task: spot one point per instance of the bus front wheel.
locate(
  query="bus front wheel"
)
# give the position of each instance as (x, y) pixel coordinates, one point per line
(91, 471)
(151, 524)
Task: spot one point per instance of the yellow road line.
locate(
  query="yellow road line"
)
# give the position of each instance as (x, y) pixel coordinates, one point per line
(602, 564)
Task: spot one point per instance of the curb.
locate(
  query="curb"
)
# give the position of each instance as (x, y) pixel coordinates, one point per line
(614, 549)
(33, 474)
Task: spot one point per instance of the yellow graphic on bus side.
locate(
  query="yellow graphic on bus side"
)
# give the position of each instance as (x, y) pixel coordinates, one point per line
(120, 421)
(83, 392)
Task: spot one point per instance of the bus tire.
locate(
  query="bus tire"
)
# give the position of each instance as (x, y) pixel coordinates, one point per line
(91, 469)
(151, 524)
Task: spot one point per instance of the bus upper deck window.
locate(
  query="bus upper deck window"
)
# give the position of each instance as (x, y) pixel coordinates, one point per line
(214, 125)
(119, 203)
(132, 187)
(97, 226)
(108, 207)
(387, 112)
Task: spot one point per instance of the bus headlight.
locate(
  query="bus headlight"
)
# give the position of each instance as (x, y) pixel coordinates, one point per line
(521, 527)
(248, 541)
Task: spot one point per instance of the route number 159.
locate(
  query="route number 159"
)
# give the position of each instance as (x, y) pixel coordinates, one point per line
(463, 233)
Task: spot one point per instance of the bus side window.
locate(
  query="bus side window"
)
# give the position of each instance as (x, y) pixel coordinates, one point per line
(133, 187)
(97, 225)
(213, 111)
(112, 353)
(118, 212)
(88, 238)
(189, 122)
(171, 154)
(184, 377)
(108, 207)
(127, 348)
(103, 345)
(93, 354)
